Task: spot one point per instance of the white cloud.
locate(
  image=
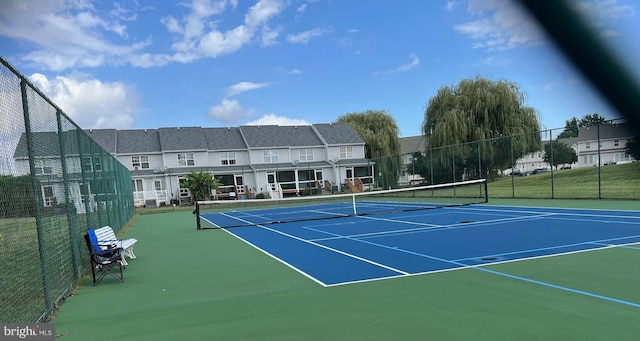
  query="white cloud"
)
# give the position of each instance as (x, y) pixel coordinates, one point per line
(294, 72)
(273, 119)
(216, 43)
(306, 36)
(66, 34)
(269, 36)
(71, 34)
(229, 111)
(202, 36)
(89, 102)
(244, 86)
(415, 61)
(501, 25)
(263, 11)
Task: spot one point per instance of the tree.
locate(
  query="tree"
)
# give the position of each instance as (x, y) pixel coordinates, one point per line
(560, 153)
(487, 112)
(591, 120)
(200, 185)
(632, 147)
(378, 129)
(380, 133)
(573, 125)
(571, 129)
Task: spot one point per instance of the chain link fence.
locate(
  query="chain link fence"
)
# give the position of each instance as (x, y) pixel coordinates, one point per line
(56, 183)
(591, 161)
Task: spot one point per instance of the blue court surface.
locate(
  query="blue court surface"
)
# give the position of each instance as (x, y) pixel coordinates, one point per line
(363, 248)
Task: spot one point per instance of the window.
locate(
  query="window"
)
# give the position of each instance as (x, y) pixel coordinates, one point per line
(186, 159)
(137, 185)
(96, 164)
(616, 142)
(270, 156)
(225, 179)
(158, 185)
(41, 168)
(140, 161)
(306, 155)
(86, 164)
(228, 158)
(346, 152)
(49, 199)
(588, 145)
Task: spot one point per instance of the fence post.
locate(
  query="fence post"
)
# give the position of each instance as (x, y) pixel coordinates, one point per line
(36, 192)
(72, 223)
(551, 161)
(513, 181)
(599, 162)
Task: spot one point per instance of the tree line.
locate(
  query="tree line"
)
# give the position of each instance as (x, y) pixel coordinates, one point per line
(473, 129)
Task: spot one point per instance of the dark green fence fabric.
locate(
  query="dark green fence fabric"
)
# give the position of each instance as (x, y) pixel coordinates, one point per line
(529, 165)
(55, 183)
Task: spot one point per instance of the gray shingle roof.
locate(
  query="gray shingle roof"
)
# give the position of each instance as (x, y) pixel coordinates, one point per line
(159, 140)
(412, 144)
(137, 141)
(182, 138)
(338, 133)
(224, 138)
(607, 131)
(106, 138)
(280, 136)
(47, 144)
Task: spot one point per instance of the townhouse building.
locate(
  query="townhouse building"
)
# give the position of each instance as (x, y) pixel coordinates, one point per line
(249, 161)
(604, 142)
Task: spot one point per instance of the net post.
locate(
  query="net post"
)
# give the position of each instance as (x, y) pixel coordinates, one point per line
(486, 193)
(197, 213)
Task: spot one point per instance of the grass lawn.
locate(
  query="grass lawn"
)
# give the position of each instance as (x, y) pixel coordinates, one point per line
(610, 182)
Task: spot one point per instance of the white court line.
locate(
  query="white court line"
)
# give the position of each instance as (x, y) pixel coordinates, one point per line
(406, 274)
(485, 264)
(552, 210)
(429, 227)
(320, 246)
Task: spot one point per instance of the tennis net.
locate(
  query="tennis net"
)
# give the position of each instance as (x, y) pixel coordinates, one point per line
(237, 213)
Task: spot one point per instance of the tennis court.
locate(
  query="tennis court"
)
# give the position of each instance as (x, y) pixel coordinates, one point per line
(471, 272)
(363, 248)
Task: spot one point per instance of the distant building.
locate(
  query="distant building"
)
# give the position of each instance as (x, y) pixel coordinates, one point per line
(271, 160)
(613, 139)
(408, 147)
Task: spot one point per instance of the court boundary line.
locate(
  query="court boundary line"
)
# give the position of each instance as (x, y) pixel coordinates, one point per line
(485, 207)
(461, 266)
(482, 267)
(593, 242)
(362, 259)
(281, 261)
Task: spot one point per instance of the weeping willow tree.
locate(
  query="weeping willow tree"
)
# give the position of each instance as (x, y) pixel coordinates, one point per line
(380, 133)
(487, 120)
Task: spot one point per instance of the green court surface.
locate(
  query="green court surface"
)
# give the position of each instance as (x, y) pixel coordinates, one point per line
(208, 285)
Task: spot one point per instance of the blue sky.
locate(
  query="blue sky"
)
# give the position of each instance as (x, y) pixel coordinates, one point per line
(150, 64)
